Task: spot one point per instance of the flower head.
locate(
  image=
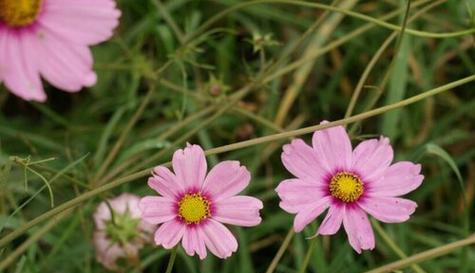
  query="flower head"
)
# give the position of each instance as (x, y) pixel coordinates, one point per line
(194, 205)
(120, 232)
(349, 183)
(51, 39)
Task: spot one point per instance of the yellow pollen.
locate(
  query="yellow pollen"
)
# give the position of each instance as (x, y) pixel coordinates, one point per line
(346, 186)
(193, 208)
(19, 13)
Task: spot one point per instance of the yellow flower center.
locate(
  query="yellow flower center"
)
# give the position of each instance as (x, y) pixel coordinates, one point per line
(346, 186)
(193, 208)
(19, 13)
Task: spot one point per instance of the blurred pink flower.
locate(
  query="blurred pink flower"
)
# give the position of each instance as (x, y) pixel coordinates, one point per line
(51, 38)
(350, 183)
(193, 205)
(122, 235)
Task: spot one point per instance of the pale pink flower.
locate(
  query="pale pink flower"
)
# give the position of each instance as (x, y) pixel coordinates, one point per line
(193, 205)
(124, 234)
(350, 183)
(51, 39)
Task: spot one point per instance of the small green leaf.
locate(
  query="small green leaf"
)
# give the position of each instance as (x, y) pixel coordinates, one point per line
(438, 151)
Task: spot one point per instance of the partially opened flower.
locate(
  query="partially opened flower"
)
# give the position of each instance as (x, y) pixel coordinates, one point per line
(194, 205)
(120, 232)
(349, 183)
(51, 39)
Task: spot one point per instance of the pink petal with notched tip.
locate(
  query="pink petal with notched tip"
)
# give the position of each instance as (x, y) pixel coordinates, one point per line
(190, 166)
(157, 210)
(193, 242)
(358, 228)
(169, 234)
(226, 179)
(388, 209)
(85, 22)
(238, 210)
(333, 220)
(19, 67)
(218, 239)
(297, 194)
(165, 183)
(399, 179)
(301, 160)
(310, 213)
(333, 148)
(66, 66)
(371, 158)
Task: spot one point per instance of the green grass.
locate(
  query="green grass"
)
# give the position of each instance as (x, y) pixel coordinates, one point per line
(192, 71)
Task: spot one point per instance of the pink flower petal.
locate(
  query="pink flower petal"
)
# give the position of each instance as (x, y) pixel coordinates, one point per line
(333, 148)
(239, 211)
(301, 160)
(164, 182)
(310, 213)
(86, 22)
(106, 252)
(169, 234)
(388, 209)
(359, 230)
(101, 216)
(189, 165)
(157, 210)
(226, 179)
(332, 222)
(399, 179)
(218, 239)
(371, 158)
(126, 202)
(297, 194)
(193, 242)
(19, 68)
(65, 65)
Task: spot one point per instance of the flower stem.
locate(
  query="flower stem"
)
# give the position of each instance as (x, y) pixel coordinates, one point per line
(306, 260)
(394, 246)
(281, 251)
(424, 256)
(171, 261)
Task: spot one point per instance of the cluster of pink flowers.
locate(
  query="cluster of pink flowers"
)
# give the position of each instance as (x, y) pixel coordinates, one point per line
(193, 205)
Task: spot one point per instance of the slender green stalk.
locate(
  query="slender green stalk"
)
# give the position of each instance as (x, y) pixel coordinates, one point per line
(171, 261)
(169, 19)
(336, 43)
(30, 241)
(361, 16)
(308, 255)
(281, 251)
(123, 136)
(424, 256)
(393, 245)
(379, 53)
(230, 147)
(344, 121)
(300, 75)
(257, 118)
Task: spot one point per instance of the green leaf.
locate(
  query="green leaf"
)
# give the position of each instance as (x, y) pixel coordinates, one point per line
(438, 151)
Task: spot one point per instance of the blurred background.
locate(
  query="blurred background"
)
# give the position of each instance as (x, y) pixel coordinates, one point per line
(224, 71)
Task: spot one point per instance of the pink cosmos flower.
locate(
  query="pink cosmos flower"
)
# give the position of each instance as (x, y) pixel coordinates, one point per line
(193, 206)
(349, 183)
(122, 233)
(51, 38)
